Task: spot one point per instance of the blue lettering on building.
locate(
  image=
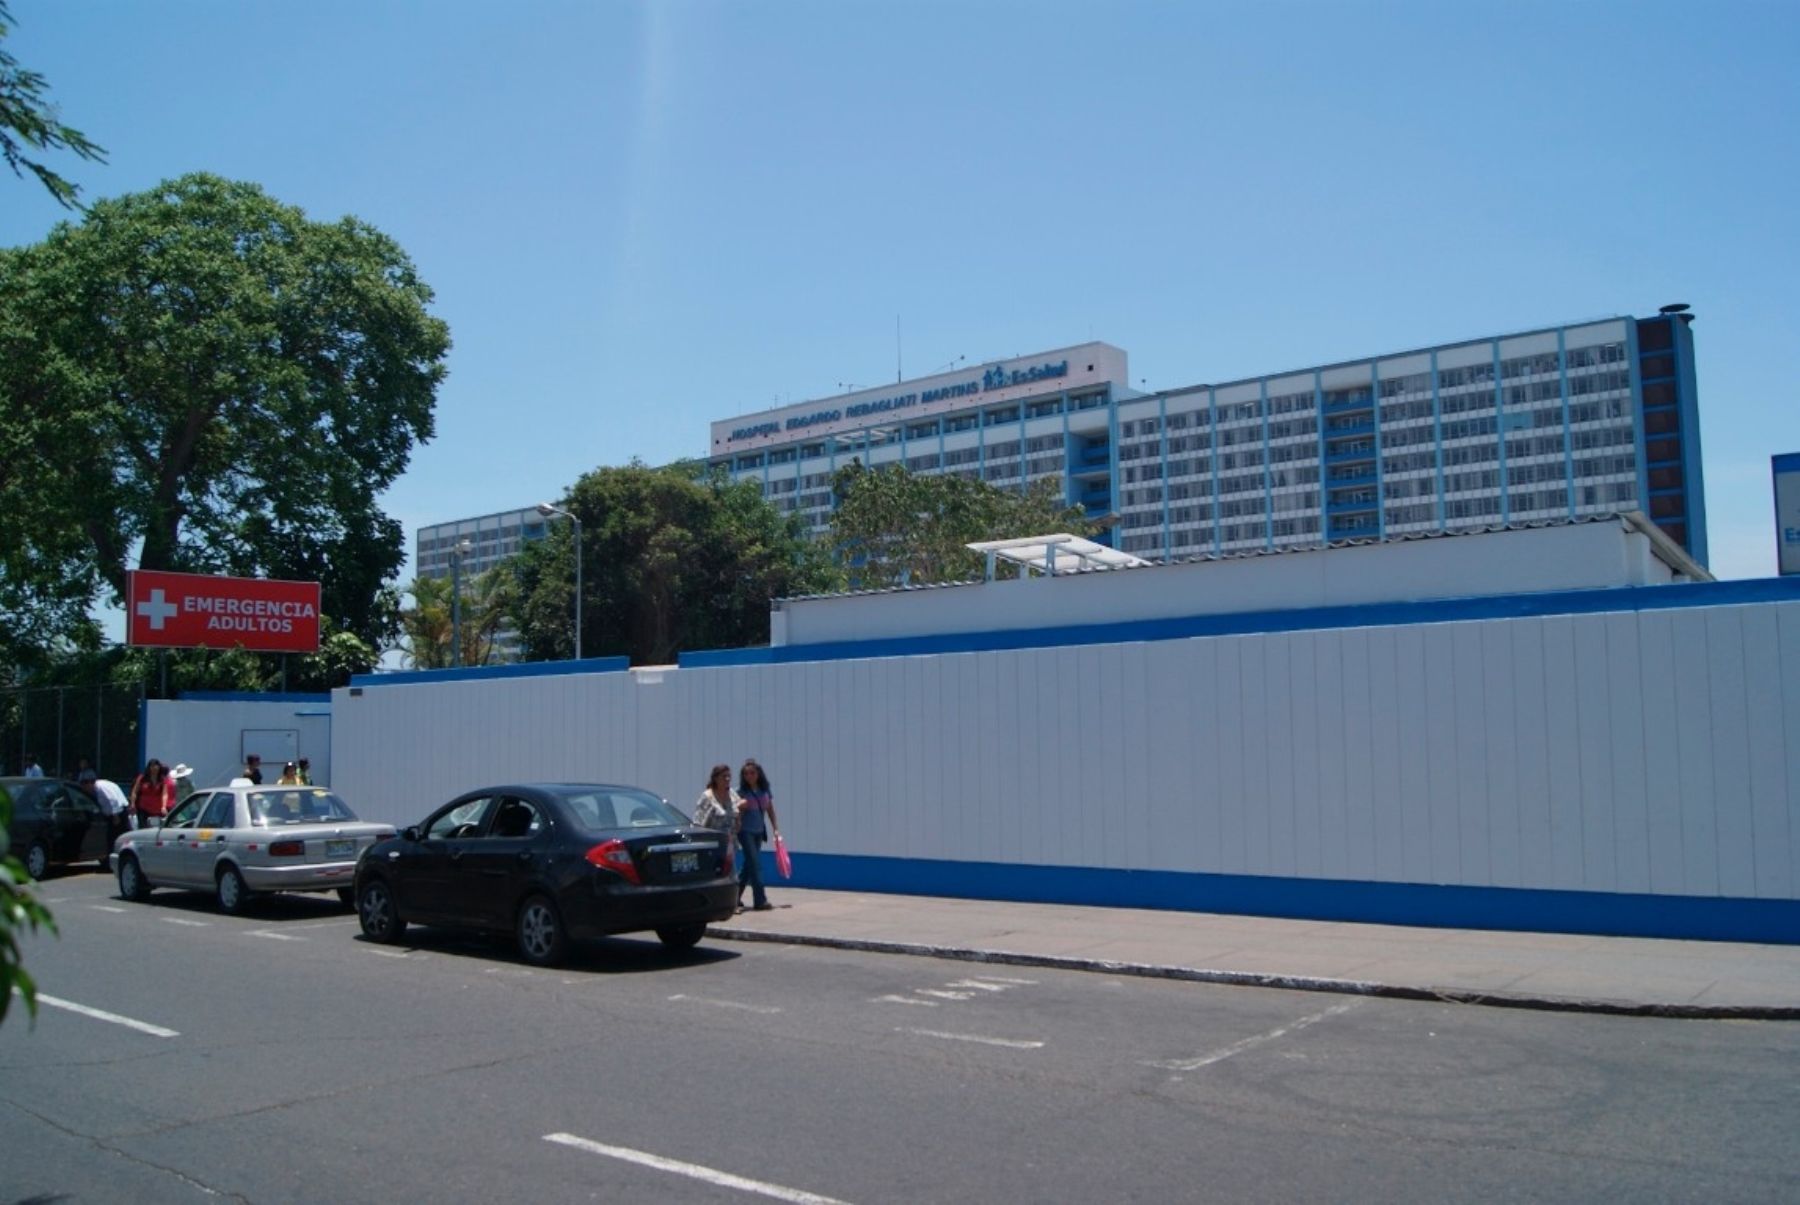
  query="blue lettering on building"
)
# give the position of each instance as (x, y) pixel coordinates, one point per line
(758, 429)
(882, 405)
(817, 416)
(1790, 535)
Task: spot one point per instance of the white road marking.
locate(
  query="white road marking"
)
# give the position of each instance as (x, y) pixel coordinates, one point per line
(155, 1031)
(978, 985)
(390, 953)
(272, 935)
(1226, 1052)
(1012, 982)
(105, 908)
(905, 1000)
(749, 1008)
(692, 1170)
(324, 924)
(182, 920)
(943, 995)
(521, 972)
(1010, 1043)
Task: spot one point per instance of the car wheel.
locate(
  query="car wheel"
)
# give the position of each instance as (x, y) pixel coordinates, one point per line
(684, 938)
(37, 860)
(347, 896)
(234, 897)
(375, 909)
(541, 939)
(133, 885)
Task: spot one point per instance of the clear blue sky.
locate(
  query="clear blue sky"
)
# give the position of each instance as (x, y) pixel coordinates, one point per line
(640, 218)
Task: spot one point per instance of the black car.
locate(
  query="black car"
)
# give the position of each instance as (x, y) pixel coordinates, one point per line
(550, 863)
(56, 823)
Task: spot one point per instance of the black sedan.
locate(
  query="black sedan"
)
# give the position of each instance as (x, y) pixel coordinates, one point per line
(56, 823)
(550, 863)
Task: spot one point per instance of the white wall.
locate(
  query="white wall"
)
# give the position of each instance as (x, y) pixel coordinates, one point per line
(1654, 751)
(1564, 557)
(207, 734)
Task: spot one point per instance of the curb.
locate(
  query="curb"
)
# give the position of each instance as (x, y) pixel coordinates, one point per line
(1292, 983)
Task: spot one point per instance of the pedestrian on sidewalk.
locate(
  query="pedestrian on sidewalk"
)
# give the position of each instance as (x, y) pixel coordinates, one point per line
(717, 809)
(32, 769)
(253, 769)
(756, 823)
(152, 795)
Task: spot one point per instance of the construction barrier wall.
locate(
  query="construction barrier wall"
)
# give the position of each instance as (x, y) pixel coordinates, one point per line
(1621, 760)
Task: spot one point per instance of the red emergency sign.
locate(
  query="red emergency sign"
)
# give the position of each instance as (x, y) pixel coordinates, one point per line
(190, 610)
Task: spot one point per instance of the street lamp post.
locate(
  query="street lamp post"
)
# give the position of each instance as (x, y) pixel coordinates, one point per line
(546, 510)
(459, 550)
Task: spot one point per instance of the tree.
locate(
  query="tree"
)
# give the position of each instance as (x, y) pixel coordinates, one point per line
(673, 558)
(203, 374)
(27, 119)
(894, 527)
(487, 604)
(21, 912)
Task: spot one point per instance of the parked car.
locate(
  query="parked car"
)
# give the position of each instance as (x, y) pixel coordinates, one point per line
(55, 823)
(550, 863)
(243, 840)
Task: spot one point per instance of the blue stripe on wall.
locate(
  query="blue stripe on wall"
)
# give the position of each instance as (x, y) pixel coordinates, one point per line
(1437, 906)
(467, 673)
(1506, 606)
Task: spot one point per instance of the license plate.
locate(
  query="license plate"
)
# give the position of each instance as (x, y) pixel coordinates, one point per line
(345, 848)
(684, 863)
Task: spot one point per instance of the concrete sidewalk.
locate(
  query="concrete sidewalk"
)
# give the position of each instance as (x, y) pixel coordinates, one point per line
(1627, 975)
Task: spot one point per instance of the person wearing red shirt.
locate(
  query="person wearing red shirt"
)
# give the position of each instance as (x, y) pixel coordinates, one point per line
(152, 795)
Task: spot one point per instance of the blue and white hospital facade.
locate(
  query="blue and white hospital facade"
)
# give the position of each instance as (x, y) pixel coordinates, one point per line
(1559, 423)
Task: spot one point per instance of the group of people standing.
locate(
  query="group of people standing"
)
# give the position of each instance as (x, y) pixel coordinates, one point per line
(747, 815)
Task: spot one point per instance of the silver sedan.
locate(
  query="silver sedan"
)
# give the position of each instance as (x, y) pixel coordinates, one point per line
(243, 840)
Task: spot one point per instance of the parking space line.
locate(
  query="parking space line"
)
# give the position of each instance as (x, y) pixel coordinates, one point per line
(944, 995)
(1206, 1060)
(978, 985)
(1009, 1043)
(749, 1008)
(324, 924)
(272, 935)
(155, 1031)
(386, 953)
(106, 908)
(905, 1000)
(692, 1170)
(182, 920)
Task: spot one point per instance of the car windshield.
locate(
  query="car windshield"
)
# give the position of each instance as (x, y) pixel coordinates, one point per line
(303, 805)
(602, 808)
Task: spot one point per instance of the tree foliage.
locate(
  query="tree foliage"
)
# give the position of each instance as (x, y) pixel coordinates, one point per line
(28, 121)
(201, 377)
(895, 527)
(429, 624)
(673, 558)
(21, 913)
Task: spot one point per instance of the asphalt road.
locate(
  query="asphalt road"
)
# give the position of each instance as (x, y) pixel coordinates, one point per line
(300, 1063)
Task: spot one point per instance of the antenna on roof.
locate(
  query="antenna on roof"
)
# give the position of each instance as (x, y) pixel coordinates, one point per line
(898, 374)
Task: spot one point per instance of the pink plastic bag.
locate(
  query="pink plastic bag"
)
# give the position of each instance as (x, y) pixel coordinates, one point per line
(783, 862)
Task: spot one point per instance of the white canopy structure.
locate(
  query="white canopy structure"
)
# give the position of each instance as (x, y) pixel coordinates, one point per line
(1053, 554)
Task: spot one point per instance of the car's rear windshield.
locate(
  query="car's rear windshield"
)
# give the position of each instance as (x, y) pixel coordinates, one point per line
(603, 808)
(298, 805)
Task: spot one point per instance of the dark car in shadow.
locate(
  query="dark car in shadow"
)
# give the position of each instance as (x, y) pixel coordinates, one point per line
(56, 823)
(550, 863)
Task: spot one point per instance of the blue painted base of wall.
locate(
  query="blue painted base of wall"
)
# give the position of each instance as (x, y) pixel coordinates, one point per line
(1440, 906)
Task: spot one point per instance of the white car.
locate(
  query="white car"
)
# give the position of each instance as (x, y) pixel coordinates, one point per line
(243, 840)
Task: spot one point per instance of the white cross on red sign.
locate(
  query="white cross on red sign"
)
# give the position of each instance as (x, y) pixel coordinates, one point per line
(190, 610)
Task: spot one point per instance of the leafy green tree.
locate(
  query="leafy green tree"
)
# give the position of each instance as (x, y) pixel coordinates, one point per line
(204, 375)
(21, 912)
(29, 121)
(894, 527)
(673, 559)
(429, 624)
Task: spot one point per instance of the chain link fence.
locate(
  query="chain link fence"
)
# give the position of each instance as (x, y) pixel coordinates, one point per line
(60, 725)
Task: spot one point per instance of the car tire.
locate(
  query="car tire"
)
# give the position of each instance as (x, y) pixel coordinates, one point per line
(542, 941)
(37, 860)
(133, 885)
(233, 896)
(381, 920)
(685, 937)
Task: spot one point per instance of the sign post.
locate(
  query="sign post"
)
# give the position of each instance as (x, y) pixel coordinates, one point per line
(194, 611)
(1786, 470)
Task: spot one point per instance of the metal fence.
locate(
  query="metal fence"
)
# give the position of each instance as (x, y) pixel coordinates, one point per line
(62, 724)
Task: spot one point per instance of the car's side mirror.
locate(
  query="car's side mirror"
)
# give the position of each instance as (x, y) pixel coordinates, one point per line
(411, 833)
